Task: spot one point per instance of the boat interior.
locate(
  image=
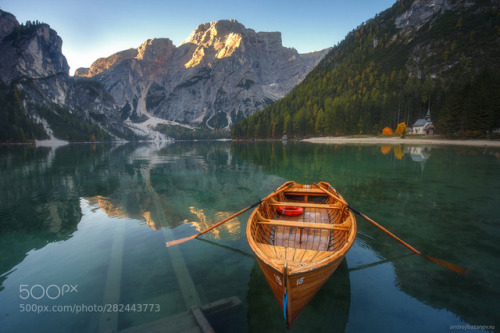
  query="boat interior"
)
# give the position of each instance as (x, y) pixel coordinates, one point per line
(322, 228)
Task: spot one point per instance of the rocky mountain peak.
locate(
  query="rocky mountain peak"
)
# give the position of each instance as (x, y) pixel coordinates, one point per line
(102, 64)
(155, 49)
(152, 50)
(7, 23)
(218, 39)
(207, 34)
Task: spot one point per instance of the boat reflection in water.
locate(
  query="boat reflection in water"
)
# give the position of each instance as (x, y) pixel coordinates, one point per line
(328, 311)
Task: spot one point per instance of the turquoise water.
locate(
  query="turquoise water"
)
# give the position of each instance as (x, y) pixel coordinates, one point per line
(83, 231)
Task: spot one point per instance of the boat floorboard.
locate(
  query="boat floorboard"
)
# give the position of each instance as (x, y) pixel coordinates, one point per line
(309, 239)
(299, 246)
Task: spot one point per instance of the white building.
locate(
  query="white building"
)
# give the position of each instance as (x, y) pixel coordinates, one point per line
(423, 126)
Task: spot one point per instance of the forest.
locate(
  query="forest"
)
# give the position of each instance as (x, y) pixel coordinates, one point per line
(15, 125)
(380, 76)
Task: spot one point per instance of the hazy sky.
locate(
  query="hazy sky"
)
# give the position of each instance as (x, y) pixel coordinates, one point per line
(91, 29)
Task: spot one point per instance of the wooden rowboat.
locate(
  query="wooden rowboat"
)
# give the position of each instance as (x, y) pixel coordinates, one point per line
(298, 253)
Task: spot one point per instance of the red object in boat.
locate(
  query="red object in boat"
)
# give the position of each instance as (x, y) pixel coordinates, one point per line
(290, 211)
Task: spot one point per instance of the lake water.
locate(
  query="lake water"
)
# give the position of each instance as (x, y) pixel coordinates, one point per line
(83, 232)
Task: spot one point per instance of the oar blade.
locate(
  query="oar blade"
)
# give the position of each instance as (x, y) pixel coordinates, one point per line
(446, 264)
(180, 241)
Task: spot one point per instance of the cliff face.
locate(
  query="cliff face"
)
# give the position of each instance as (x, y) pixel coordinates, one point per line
(34, 53)
(434, 30)
(421, 12)
(221, 73)
(8, 22)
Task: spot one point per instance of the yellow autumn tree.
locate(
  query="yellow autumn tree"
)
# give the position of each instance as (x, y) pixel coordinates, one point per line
(402, 129)
(387, 131)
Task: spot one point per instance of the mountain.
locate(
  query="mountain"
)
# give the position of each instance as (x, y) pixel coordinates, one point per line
(38, 99)
(221, 73)
(417, 56)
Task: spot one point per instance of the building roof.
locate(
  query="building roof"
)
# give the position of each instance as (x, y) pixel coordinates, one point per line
(420, 122)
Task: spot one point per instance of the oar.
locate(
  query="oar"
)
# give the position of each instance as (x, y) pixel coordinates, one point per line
(183, 240)
(441, 262)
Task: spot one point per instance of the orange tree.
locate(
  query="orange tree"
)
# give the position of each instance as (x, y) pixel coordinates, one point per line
(387, 131)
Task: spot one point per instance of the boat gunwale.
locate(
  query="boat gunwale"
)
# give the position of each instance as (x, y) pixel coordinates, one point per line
(278, 264)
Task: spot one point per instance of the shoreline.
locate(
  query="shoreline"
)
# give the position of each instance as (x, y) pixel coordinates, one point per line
(397, 141)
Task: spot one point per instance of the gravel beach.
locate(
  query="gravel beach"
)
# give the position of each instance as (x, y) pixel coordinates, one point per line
(407, 140)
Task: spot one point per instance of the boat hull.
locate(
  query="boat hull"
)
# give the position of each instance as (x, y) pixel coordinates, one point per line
(301, 288)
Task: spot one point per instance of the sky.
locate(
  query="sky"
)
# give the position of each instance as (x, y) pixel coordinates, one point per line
(91, 29)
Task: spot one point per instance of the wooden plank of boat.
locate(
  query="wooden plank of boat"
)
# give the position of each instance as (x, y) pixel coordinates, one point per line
(294, 224)
(305, 205)
(297, 254)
